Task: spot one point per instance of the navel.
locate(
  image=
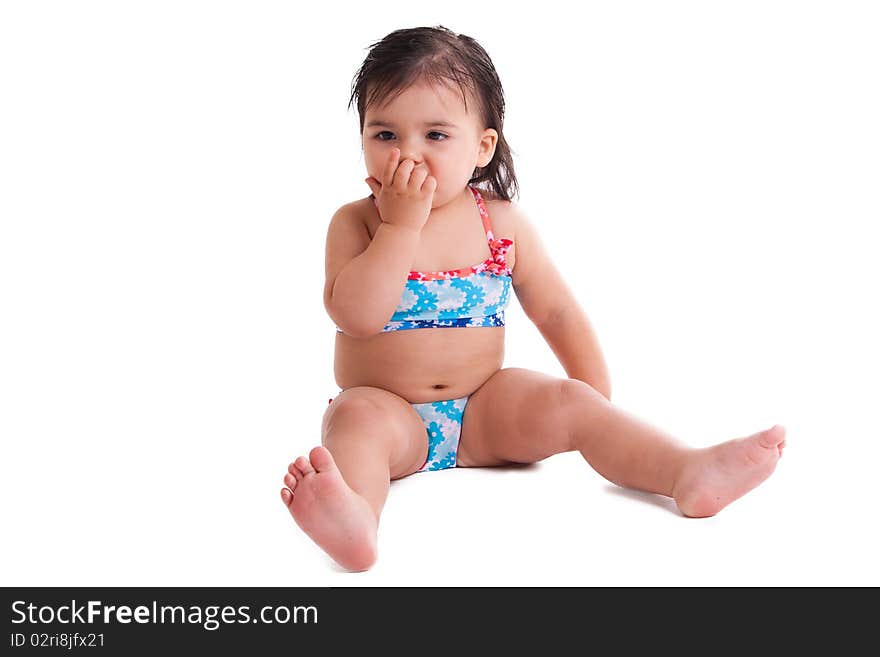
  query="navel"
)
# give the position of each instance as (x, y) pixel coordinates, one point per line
(439, 386)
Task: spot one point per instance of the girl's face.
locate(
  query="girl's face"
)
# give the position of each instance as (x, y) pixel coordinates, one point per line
(430, 126)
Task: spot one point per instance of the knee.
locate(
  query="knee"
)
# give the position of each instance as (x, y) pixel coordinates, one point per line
(553, 414)
(578, 401)
(572, 392)
(351, 418)
(352, 408)
(557, 397)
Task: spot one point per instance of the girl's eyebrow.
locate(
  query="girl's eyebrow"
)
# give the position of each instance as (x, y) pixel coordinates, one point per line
(428, 124)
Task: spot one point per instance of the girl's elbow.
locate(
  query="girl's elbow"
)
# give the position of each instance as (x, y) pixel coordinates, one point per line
(358, 329)
(354, 327)
(603, 387)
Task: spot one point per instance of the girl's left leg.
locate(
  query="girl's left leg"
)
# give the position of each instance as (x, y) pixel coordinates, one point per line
(522, 416)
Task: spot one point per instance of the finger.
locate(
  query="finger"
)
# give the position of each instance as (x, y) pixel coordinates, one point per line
(401, 176)
(430, 185)
(374, 185)
(417, 178)
(391, 166)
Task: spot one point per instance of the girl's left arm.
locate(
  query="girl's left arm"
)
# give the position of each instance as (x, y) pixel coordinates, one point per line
(549, 302)
(573, 340)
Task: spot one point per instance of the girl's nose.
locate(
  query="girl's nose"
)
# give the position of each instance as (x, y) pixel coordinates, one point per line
(408, 151)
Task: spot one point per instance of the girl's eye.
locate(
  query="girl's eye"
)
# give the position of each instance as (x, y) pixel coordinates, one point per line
(387, 135)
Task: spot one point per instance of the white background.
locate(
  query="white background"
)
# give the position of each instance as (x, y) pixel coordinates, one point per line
(705, 174)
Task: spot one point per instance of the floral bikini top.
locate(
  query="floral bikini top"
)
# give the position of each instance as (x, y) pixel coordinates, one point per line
(474, 296)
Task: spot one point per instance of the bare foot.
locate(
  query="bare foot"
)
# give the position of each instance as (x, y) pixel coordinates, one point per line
(339, 520)
(720, 474)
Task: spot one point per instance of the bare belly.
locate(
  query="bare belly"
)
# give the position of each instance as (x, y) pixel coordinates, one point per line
(420, 365)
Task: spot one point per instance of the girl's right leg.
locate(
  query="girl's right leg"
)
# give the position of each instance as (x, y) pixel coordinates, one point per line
(369, 436)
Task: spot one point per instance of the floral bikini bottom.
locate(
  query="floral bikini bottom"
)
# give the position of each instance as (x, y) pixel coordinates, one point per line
(442, 420)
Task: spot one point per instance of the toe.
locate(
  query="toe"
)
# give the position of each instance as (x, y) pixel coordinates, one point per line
(772, 437)
(290, 481)
(286, 496)
(292, 469)
(303, 465)
(321, 459)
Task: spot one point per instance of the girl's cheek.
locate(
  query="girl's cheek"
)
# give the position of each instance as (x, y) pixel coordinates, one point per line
(374, 164)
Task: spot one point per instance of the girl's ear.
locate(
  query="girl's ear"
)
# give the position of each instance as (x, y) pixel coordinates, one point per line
(487, 147)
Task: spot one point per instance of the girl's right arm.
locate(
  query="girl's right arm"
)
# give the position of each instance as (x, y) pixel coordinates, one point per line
(363, 295)
(365, 278)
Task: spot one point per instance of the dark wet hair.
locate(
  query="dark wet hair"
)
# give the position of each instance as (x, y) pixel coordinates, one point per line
(440, 56)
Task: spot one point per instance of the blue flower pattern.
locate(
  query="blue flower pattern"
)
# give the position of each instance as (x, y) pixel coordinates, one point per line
(442, 420)
(476, 300)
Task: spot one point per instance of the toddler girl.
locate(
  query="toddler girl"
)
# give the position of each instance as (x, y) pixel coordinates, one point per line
(420, 331)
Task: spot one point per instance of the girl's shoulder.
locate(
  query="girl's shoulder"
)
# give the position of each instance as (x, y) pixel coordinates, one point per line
(490, 197)
(502, 214)
(363, 212)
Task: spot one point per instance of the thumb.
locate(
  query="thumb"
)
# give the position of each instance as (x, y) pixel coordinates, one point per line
(374, 185)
